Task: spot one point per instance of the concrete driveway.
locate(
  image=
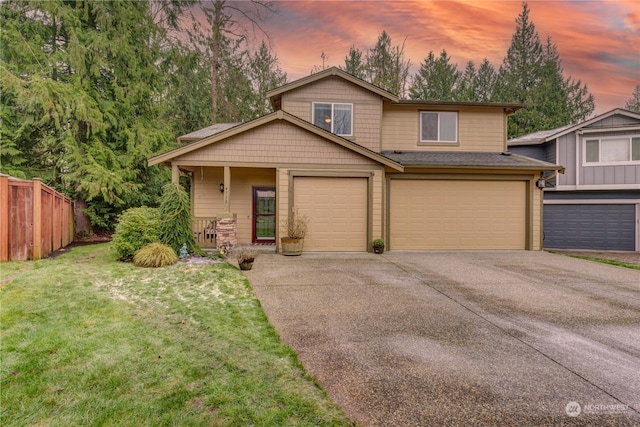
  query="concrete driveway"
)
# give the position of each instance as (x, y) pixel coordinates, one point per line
(462, 338)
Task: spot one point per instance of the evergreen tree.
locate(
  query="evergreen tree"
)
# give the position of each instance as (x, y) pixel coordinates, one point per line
(466, 90)
(80, 89)
(532, 74)
(633, 103)
(437, 79)
(354, 64)
(485, 83)
(386, 67)
(265, 74)
(224, 41)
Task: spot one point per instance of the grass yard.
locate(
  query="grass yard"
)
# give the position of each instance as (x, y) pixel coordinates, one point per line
(88, 340)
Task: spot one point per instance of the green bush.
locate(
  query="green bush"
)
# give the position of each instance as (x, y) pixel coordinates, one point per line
(136, 228)
(155, 255)
(175, 210)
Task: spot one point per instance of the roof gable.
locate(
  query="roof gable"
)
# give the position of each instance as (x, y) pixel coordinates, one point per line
(602, 122)
(265, 120)
(275, 94)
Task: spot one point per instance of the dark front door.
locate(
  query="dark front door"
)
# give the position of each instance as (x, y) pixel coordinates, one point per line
(264, 214)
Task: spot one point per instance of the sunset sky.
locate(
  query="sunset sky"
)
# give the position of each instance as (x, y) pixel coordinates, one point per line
(598, 41)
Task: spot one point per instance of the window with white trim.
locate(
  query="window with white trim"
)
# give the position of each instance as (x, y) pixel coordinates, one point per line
(439, 126)
(614, 150)
(336, 118)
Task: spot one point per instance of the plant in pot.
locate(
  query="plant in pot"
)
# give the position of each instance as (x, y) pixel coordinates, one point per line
(246, 257)
(294, 229)
(378, 246)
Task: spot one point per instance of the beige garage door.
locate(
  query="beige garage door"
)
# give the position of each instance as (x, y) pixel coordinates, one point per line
(457, 214)
(337, 211)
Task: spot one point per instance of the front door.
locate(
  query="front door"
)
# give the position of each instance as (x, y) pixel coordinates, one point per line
(264, 214)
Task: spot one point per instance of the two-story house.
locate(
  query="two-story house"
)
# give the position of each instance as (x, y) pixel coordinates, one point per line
(363, 164)
(596, 204)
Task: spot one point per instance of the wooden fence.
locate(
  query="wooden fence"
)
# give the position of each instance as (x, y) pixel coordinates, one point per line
(35, 219)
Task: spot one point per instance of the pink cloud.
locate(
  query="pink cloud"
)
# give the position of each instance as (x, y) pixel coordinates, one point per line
(598, 42)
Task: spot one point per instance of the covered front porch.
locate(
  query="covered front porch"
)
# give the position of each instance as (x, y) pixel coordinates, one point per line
(232, 205)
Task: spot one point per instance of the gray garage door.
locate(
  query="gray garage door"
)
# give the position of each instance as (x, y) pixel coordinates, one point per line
(604, 227)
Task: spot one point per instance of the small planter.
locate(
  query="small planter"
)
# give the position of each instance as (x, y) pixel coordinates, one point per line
(378, 246)
(245, 265)
(291, 247)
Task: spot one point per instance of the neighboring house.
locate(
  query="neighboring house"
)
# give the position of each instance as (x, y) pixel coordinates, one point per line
(596, 204)
(362, 164)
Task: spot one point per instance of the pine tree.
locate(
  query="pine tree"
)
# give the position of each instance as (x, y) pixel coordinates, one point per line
(386, 67)
(354, 63)
(531, 73)
(265, 74)
(633, 103)
(437, 79)
(466, 90)
(485, 83)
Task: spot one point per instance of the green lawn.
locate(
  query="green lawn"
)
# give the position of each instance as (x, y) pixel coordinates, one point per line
(87, 340)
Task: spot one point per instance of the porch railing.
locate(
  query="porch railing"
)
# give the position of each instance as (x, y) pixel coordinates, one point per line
(204, 231)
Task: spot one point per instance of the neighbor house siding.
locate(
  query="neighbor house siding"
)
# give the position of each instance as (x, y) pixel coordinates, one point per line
(567, 158)
(367, 107)
(610, 174)
(274, 144)
(479, 129)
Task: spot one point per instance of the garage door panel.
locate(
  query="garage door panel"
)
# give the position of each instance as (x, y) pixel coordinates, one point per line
(590, 226)
(337, 211)
(457, 214)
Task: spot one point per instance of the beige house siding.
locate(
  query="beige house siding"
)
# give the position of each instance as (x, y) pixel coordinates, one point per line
(367, 107)
(274, 144)
(479, 129)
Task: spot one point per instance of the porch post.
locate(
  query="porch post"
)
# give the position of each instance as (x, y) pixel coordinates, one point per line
(175, 174)
(227, 189)
(226, 223)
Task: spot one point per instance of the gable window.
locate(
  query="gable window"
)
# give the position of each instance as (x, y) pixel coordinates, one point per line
(336, 118)
(612, 150)
(439, 126)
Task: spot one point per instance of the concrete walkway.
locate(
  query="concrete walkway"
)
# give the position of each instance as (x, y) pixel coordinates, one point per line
(462, 338)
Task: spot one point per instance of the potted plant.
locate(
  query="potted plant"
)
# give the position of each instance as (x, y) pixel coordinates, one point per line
(245, 257)
(294, 229)
(378, 246)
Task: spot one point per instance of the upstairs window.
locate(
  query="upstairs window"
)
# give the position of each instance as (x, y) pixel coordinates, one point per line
(439, 126)
(336, 118)
(612, 150)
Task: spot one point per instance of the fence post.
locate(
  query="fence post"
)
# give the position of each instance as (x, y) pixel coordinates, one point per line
(4, 218)
(37, 221)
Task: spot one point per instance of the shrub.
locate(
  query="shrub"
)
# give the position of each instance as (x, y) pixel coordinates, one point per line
(245, 254)
(378, 242)
(295, 227)
(175, 227)
(155, 255)
(136, 228)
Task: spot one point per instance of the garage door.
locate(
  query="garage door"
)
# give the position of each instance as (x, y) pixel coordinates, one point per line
(337, 211)
(457, 214)
(604, 227)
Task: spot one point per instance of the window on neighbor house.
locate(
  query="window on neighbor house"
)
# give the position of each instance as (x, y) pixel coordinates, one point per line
(336, 118)
(612, 150)
(439, 126)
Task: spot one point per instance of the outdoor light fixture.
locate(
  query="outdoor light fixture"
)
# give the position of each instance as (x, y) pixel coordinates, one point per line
(222, 187)
(541, 183)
